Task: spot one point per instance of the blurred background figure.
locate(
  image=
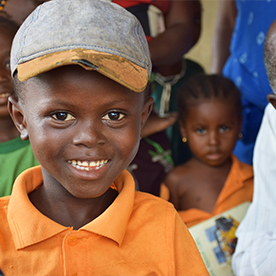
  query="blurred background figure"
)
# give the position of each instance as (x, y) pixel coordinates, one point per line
(213, 180)
(238, 54)
(15, 155)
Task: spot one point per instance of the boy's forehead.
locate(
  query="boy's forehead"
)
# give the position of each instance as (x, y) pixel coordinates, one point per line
(63, 32)
(68, 83)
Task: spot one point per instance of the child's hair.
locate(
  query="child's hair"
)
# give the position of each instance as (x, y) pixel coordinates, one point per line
(6, 21)
(202, 86)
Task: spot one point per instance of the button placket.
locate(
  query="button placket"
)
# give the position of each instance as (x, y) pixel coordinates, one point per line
(72, 240)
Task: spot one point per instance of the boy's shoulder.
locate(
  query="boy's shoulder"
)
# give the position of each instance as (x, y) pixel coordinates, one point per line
(148, 207)
(144, 201)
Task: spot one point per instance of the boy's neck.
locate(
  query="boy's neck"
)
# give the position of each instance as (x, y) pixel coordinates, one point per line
(8, 131)
(68, 210)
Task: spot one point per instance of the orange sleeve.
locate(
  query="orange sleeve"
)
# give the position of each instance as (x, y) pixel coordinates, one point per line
(188, 260)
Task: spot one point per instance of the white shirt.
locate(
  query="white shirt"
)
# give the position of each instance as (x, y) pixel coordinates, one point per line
(256, 249)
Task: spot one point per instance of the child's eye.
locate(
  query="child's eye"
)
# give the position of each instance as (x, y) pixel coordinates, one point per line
(223, 129)
(8, 65)
(114, 116)
(62, 116)
(200, 131)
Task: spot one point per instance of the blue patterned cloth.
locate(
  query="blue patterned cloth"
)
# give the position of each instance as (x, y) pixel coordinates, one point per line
(245, 67)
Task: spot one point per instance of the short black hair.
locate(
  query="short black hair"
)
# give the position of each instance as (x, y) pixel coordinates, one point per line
(204, 86)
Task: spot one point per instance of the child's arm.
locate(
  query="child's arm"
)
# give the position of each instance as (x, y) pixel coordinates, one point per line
(171, 182)
(223, 33)
(182, 32)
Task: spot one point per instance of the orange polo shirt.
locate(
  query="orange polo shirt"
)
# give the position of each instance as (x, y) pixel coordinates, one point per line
(237, 189)
(138, 234)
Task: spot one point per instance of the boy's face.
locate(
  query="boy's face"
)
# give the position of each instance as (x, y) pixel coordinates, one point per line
(6, 85)
(84, 128)
(212, 128)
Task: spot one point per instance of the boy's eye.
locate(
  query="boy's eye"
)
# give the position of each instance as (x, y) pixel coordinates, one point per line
(223, 129)
(8, 65)
(62, 116)
(114, 116)
(200, 131)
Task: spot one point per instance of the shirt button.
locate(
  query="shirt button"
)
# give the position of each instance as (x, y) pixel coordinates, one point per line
(72, 241)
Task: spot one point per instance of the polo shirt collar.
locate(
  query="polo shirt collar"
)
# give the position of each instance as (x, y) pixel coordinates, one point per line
(29, 226)
(238, 174)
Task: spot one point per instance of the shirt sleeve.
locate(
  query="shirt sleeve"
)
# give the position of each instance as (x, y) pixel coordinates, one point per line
(256, 249)
(188, 260)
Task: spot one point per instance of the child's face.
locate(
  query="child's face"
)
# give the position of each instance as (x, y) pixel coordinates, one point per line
(6, 85)
(83, 127)
(212, 128)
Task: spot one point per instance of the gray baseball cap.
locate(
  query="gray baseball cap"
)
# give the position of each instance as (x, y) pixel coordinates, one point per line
(95, 34)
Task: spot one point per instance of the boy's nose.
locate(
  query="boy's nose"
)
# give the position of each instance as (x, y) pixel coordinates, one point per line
(89, 135)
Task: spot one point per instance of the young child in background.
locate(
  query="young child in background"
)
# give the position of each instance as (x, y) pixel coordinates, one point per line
(213, 180)
(15, 155)
(81, 98)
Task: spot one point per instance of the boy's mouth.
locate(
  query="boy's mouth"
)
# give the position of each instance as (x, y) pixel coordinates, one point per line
(4, 95)
(87, 165)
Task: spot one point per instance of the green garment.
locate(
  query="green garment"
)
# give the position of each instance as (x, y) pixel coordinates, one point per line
(15, 156)
(164, 93)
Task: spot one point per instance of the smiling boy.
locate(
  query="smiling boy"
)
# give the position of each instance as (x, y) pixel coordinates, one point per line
(81, 99)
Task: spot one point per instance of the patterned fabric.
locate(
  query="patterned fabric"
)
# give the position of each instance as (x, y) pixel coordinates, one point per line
(246, 68)
(164, 93)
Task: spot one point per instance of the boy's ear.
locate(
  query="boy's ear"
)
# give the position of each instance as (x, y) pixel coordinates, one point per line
(272, 99)
(18, 118)
(147, 108)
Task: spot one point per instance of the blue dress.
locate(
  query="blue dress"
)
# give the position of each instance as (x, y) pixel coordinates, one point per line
(245, 67)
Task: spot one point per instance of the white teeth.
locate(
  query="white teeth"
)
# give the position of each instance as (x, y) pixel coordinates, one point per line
(5, 95)
(85, 165)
